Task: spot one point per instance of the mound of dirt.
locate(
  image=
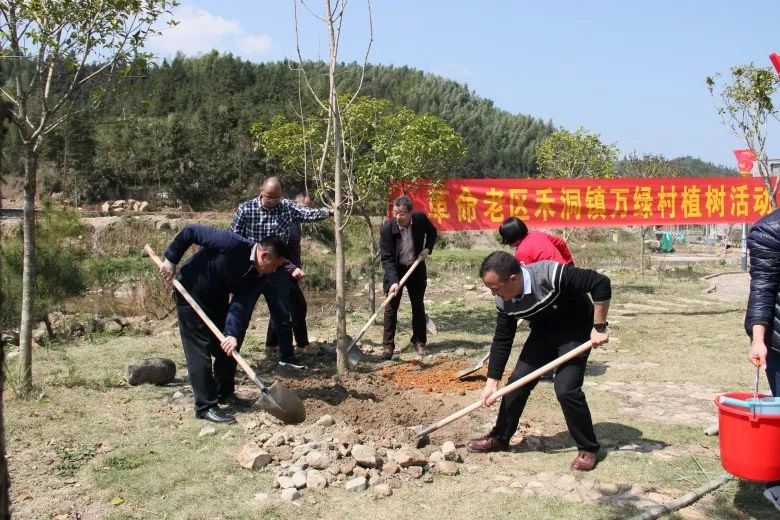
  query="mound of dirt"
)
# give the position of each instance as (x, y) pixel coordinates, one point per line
(438, 377)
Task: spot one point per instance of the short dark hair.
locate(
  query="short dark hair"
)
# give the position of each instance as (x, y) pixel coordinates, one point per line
(274, 245)
(404, 201)
(512, 230)
(501, 263)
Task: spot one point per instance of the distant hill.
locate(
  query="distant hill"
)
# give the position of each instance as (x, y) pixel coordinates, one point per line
(695, 167)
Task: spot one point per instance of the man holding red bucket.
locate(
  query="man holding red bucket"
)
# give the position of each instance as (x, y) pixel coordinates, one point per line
(762, 320)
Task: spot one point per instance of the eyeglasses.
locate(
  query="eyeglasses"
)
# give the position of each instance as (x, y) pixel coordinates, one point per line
(401, 213)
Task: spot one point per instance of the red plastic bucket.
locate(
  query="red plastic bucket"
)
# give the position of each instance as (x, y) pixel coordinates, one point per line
(749, 443)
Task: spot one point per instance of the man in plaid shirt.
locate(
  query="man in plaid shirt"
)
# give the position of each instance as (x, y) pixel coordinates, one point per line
(271, 215)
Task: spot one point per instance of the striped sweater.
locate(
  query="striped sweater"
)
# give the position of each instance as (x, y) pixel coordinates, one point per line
(557, 302)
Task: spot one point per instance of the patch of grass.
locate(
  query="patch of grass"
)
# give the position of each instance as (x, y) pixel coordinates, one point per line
(104, 269)
(70, 459)
(123, 462)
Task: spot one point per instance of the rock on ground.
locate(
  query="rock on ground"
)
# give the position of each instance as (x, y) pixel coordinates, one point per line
(315, 480)
(156, 371)
(364, 455)
(446, 467)
(406, 457)
(290, 494)
(207, 431)
(325, 420)
(356, 484)
(382, 491)
(251, 456)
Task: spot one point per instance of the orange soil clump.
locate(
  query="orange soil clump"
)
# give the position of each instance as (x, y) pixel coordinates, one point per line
(437, 377)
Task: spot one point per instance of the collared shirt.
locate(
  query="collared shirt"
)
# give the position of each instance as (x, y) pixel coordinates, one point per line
(255, 222)
(406, 254)
(526, 284)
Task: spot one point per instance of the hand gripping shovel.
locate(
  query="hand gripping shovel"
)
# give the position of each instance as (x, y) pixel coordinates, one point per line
(275, 399)
(354, 354)
(507, 389)
(479, 364)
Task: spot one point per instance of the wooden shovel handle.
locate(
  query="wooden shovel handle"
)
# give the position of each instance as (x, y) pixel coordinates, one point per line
(210, 324)
(384, 303)
(509, 388)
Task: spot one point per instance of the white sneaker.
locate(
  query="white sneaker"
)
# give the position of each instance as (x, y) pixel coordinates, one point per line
(773, 495)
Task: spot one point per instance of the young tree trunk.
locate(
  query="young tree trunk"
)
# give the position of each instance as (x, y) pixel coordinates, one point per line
(5, 503)
(28, 271)
(372, 256)
(342, 366)
(642, 251)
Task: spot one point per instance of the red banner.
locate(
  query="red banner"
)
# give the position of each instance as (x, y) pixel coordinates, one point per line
(462, 204)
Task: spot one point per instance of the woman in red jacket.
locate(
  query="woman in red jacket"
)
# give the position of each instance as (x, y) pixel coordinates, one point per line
(533, 246)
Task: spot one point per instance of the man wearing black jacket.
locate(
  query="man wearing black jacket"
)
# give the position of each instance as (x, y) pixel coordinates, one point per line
(762, 319)
(226, 264)
(403, 239)
(554, 299)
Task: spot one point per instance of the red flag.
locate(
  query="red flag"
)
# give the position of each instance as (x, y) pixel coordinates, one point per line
(775, 59)
(745, 160)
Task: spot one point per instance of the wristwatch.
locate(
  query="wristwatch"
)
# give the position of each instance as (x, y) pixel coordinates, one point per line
(601, 327)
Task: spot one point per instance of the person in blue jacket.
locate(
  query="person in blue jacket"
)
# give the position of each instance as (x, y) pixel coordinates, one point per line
(225, 265)
(762, 319)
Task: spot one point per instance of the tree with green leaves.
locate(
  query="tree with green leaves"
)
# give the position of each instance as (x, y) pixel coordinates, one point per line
(648, 166)
(382, 143)
(57, 52)
(574, 155)
(744, 103)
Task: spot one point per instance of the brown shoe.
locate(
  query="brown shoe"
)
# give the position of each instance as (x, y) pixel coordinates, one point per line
(387, 352)
(419, 346)
(486, 444)
(584, 461)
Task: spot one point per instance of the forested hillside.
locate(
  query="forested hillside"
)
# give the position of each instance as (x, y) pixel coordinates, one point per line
(182, 126)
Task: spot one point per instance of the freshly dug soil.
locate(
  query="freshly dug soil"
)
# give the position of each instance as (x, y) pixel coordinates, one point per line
(438, 377)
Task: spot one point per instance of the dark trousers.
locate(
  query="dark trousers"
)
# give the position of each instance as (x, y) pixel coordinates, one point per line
(298, 310)
(415, 287)
(209, 383)
(277, 296)
(541, 348)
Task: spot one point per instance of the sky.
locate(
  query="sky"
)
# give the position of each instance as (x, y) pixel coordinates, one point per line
(630, 71)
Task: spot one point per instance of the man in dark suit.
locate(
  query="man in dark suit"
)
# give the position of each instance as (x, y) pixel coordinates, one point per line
(226, 264)
(403, 239)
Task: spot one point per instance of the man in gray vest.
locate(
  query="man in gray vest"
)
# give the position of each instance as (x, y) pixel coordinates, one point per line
(554, 299)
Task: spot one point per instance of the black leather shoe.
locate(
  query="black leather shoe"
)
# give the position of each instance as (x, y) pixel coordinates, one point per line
(216, 415)
(234, 400)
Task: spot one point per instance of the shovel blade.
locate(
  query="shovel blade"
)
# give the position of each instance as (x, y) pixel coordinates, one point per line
(354, 355)
(472, 369)
(282, 403)
(430, 326)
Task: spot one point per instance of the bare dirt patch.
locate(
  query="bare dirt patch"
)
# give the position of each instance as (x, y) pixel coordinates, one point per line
(436, 377)
(729, 287)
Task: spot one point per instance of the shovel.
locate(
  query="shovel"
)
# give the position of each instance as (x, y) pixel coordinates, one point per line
(275, 399)
(354, 354)
(479, 364)
(507, 389)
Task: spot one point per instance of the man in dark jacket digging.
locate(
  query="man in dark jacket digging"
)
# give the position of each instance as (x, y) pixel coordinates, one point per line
(762, 319)
(403, 239)
(554, 299)
(225, 265)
